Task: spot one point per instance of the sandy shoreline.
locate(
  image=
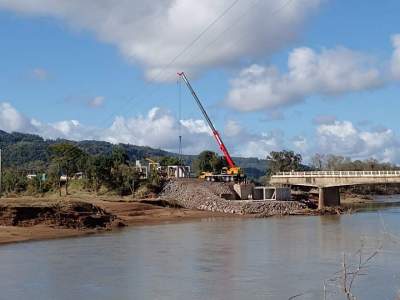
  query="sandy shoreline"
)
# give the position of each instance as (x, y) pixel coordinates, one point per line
(127, 214)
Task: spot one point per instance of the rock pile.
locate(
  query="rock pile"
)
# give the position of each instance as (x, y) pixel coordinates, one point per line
(272, 208)
(203, 195)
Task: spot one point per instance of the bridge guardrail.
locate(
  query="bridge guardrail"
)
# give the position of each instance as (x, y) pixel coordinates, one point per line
(339, 174)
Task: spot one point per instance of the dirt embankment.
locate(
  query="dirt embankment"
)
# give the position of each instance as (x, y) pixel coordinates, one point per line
(30, 218)
(203, 195)
(27, 218)
(23, 219)
(65, 214)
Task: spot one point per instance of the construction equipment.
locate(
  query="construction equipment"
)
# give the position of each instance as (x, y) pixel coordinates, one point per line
(233, 172)
(153, 165)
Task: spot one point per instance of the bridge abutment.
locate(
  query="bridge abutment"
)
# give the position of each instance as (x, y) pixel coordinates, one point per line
(328, 196)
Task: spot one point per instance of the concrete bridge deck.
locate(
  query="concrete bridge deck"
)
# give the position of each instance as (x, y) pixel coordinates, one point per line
(329, 182)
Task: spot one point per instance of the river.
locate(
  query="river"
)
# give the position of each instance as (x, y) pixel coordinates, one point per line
(216, 258)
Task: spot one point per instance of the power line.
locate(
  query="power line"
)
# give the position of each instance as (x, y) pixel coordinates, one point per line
(175, 58)
(202, 33)
(235, 23)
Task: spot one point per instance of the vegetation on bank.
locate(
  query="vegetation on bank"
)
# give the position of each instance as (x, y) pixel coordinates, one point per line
(108, 168)
(331, 162)
(102, 173)
(95, 173)
(32, 153)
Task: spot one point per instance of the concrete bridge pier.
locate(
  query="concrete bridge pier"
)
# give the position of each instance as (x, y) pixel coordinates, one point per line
(328, 196)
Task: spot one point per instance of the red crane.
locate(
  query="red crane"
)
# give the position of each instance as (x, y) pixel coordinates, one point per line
(233, 169)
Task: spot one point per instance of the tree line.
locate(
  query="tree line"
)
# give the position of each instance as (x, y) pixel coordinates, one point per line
(112, 172)
(332, 162)
(117, 173)
(287, 161)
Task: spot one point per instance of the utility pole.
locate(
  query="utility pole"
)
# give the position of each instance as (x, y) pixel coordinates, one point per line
(1, 172)
(179, 120)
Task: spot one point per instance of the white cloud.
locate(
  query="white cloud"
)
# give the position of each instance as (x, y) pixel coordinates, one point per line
(342, 130)
(343, 138)
(300, 143)
(330, 72)
(152, 33)
(232, 128)
(395, 64)
(96, 102)
(241, 142)
(260, 145)
(65, 127)
(12, 120)
(158, 129)
(196, 126)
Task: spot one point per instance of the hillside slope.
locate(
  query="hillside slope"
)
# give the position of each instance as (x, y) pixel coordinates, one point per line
(32, 151)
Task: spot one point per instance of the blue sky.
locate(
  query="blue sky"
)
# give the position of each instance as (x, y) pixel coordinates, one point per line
(82, 71)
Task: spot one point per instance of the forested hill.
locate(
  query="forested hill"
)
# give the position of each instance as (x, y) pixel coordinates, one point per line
(23, 150)
(29, 151)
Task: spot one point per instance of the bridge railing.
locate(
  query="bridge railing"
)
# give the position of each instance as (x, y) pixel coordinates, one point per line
(339, 174)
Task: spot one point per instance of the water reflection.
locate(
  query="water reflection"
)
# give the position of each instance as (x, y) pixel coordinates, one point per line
(231, 258)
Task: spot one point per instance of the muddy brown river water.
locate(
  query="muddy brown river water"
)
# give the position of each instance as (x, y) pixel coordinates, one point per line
(217, 258)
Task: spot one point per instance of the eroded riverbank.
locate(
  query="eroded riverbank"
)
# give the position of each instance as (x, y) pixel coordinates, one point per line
(28, 218)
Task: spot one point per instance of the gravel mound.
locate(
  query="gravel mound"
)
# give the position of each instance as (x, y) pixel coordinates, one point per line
(203, 195)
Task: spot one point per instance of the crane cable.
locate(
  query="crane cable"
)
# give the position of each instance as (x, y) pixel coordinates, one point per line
(173, 60)
(158, 75)
(198, 37)
(180, 117)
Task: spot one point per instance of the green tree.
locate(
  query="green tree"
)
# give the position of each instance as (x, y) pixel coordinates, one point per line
(119, 160)
(99, 172)
(13, 181)
(154, 182)
(34, 185)
(69, 159)
(209, 161)
(124, 178)
(170, 161)
(318, 162)
(119, 156)
(130, 177)
(332, 162)
(283, 161)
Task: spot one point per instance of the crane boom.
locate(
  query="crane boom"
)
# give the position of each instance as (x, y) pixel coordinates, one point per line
(221, 144)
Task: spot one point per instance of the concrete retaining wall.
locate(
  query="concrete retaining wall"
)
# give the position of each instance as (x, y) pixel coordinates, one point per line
(271, 193)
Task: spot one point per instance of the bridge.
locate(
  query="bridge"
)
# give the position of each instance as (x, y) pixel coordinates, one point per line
(329, 182)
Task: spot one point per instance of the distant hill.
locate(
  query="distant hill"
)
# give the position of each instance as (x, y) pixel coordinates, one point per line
(28, 151)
